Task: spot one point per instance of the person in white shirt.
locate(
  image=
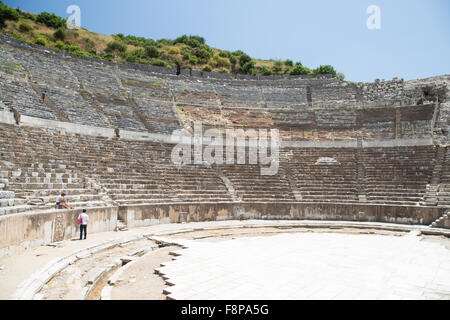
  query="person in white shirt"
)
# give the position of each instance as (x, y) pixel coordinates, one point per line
(83, 219)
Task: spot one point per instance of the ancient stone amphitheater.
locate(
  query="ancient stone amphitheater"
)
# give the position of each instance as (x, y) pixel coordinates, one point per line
(103, 137)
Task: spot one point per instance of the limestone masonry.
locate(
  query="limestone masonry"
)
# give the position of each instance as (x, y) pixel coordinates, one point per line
(358, 151)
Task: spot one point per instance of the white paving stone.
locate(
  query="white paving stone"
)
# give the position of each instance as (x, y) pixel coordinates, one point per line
(311, 266)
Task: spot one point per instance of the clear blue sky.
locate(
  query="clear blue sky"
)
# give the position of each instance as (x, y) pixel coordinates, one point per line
(414, 40)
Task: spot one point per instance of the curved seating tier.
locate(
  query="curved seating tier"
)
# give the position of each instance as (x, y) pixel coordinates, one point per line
(98, 93)
(37, 164)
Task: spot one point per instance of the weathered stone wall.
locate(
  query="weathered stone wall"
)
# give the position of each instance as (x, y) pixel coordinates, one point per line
(19, 232)
(383, 91)
(145, 215)
(23, 231)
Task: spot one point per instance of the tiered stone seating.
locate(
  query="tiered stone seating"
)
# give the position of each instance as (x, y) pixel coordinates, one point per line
(197, 93)
(334, 94)
(333, 179)
(239, 95)
(38, 164)
(153, 101)
(250, 185)
(189, 183)
(88, 169)
(196, 183)
(38, 171)
(398, 175)
(121, 170)
(15, 89)
(284, 97)
(132, 97)
(101, 87)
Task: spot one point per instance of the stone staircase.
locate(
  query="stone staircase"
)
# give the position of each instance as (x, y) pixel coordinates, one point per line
(121, 226)
(58, 112)
(230, 187)
(442, 222)
(443, 194)
(362, 197)
(432, 189)
(285, 158)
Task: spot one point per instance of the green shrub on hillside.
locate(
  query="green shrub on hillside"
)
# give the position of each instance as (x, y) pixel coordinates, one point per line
(116, 46)
(193, 60)
(248, 68)
(233, 60)
(60, 45)
(91, 49)
(26, 15)
(7, 13)
(238, 53)
(174, 51)
(289, 63)
(135, 41)
(74, 49)
(60, 34)
(244, 59)
(217, 61)
(137, 56)
(203, 53)
(327, 69)
(207, 68)
(264, 70)
(225, 54)
(278, 67)
(51, 20)
(158, 62)
(107, 56)
(164, 42)
(40, 41)
(165, 57)
(25, 28)
(192, 41)
(299, 69)
(152, 51)
(186, 56)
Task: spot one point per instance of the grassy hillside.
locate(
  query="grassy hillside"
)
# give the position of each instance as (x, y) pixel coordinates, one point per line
(187, 52)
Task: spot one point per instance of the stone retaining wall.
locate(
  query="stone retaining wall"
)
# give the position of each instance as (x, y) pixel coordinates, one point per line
(22, 231)
(145, 215)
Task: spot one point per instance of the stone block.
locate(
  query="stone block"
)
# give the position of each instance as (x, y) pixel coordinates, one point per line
(6, 195)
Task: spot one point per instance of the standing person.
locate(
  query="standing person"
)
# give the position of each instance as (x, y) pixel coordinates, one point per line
(83, 219)
(44, 94)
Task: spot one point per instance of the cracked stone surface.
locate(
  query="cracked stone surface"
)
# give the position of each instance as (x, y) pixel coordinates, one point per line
(311, 266)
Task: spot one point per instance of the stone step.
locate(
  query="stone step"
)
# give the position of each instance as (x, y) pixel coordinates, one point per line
(14, 209)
